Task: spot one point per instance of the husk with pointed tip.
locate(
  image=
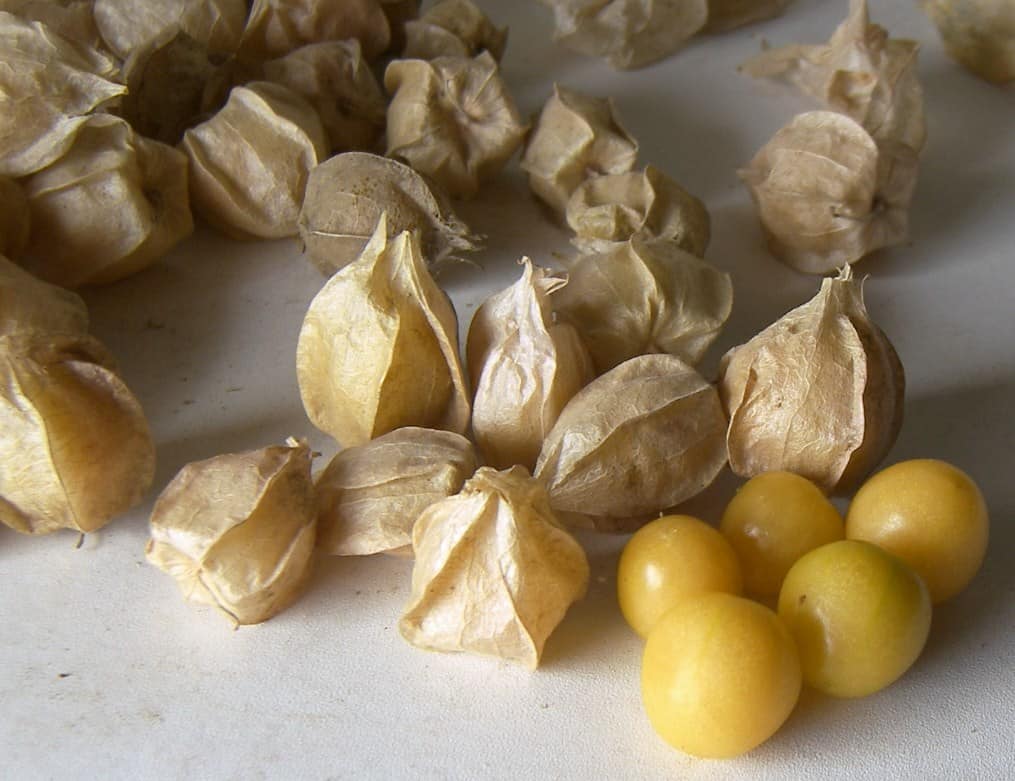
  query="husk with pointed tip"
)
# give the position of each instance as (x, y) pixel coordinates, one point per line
(72, 19)
(979, 34)
(27, 304)
(726, 15)
(453, 28)
(126, 25)
(15, 218)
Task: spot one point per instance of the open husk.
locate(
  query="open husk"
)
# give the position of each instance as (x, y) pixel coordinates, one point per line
(979, 34)
(15, 218)
(126, 25)
(726, 15)
(28, 304)
(453, 28)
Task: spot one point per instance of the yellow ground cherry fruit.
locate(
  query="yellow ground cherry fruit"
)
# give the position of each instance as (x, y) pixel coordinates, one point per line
(860, 617)
(720, 674)
(671, 558)
(928, 513)
(774, 519)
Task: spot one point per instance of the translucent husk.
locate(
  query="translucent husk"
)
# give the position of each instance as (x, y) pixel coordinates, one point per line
(370, 496)
(576, 138)
(15, 218)
(645, 297)
(378, 349)
(346, 196)
(635, 442)
(452, 119)
(27, 304)
(494, 572)
(250, 162)
(453, 28)
(819, 392)
(72, 19)
(827, 194)
(77, 447)
(113, 204)
(524, 367)
(979, 34)
(126, 25)
(726, 15)
(237, 531)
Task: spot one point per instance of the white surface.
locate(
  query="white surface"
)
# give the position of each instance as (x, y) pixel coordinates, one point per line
(106, 673)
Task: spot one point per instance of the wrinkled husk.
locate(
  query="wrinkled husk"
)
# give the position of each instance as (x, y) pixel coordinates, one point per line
(494, 572)
(633, 443)
(126, 25)
(346, 196)
(524, 368)
(819, 392)
(726, 15)
(72, 19)
(49, 84)
(28, 304)
(576, 138)
(452, 119)
(979, 34)
(609, 210)
(628, 34)
(370, 496)
(77, 447)
(645, 297)
(378, 349)
(250, 162)
(237, 531)
(453, 28)
(15, 218)
(828, 195)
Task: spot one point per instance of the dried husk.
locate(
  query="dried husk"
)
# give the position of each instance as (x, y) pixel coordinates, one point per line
(72, 19)
(827, 194)
(370, 496)
(453, 28)
(127, 25)
(15, 218)
(979, 34)
(452, 119)
(576, 137)
(524, 367)
(27, 304)
(726, 15)
(378, 349)
(819, 392)
(78, 451)
(250, 162)
(608, 210)
(635, 442)
(237, 531)
(645, 297)
(494, 572)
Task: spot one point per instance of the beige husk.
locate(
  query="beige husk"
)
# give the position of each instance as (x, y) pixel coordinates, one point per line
(979, 34)
(378, 349)
(452, 119)
(126, 25)
(494, 572)
(453, 28)
(250, 162)
(15, 218)
(576, 138)
(524, 367)
(237, 531)
(77, 447)
(819, 392)
(370, 496)
(726, 15)
(28, 304)
(633, 443)
(72, 19)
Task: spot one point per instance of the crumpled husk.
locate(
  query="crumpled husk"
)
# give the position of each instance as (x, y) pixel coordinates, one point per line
(576, 137)
(827, 194)
(452, 119)
(628, 34)
(370, 496)
(645, 297)
(524, 367)
(237, 531)
(250, 162)
(494, 572)
(633, 443)
(726, 15)
(127, 25)
(27, 304)
(79, 449)
(453, 28)
(15, 218)
(50, 84)
(819, 392)
(72, 19)
(979, 34)
(608, 210)
(378, 349)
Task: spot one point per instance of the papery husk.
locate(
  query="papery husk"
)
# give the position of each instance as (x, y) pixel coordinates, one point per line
(15, 218)
(250, 162)
(378, 349)
(370, 496)
(346, 196)
(72, 19)
(576, 137)
(979, 34)
(452, 119)
(494, 572)
(645, 297)
(237, 531)
(819, 392)
(628, 34)
(27, 304)
(608, 210)
(726, 15)
(77, 446)
(49, 85)
(827, 194)
(524, 367)
(126, 25)
(453, 28)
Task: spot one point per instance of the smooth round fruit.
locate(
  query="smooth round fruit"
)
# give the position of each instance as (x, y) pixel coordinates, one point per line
(671, 558)
(859, 616)
(719, 675)
(931, 515)
(773, 520)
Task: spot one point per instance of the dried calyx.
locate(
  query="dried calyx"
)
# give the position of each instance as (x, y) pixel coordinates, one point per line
(27, 304)
(127, 25)
(72, 19)
(980, 34)
(453, 28)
